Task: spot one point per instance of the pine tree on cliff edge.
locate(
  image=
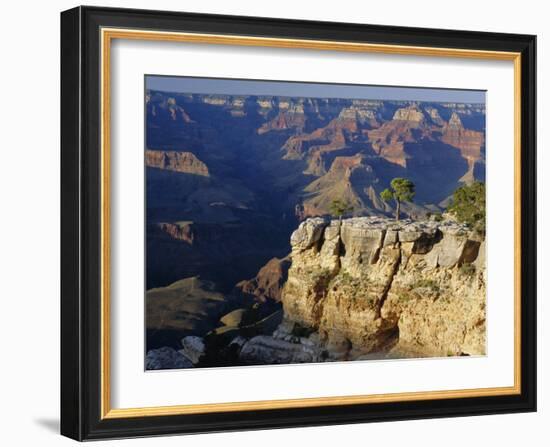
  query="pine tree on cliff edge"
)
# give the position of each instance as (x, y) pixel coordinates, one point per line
(401, 190)
(338, 208)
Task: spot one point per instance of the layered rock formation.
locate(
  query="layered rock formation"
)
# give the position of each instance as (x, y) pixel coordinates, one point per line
(291, 118)
(411, 114)
(184, 162)
(268, 283)
(469, 142)
(390, 139)
(312, 145)
(371, 282)
(283, 144)
(350, 179)
(434, 115)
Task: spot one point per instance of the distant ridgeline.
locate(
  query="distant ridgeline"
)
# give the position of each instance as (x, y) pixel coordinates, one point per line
(236, 174)
(312, 151)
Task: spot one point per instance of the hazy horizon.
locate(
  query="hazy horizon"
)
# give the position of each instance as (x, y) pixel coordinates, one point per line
(245, 87)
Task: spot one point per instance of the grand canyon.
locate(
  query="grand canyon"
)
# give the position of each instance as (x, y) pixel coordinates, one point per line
(246, 263)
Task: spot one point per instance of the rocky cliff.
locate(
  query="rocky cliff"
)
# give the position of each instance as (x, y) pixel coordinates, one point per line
(364, 288)
(469, 142)
(370, 285)
(184, 162)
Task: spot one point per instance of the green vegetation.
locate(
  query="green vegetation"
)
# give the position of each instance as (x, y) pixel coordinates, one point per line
(346, 278)
(339, 208)
(426, 283)
(319, 278)
(468, 205)
(317, 274)
(401, 190)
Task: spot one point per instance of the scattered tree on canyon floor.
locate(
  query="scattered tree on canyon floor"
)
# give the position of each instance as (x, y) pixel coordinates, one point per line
(400, 190)
(338, 208)
(468, 205)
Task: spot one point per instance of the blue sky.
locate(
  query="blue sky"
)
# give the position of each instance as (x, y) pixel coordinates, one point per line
(179, 84)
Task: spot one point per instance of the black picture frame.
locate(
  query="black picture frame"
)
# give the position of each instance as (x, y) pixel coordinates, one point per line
(81, 224)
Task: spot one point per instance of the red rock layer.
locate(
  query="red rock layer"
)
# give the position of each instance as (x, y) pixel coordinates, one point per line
(468, 141)
(269, 281)
(389, 140)
(284, 120)
(330, 138)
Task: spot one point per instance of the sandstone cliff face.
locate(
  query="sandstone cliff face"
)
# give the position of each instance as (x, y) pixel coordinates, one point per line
(185, 162)
(411, 113)
(371, 285)
(323, 140)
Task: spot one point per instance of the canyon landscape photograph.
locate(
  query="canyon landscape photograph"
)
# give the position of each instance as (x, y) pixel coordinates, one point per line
(292, 222)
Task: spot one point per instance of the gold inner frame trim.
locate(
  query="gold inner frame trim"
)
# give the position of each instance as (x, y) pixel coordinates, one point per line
(107, 35)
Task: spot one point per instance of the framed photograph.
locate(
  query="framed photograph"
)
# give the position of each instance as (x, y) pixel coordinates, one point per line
(273, 223)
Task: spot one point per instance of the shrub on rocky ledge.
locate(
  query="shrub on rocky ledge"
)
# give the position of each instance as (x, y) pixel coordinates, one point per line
(468, 205)
(426, 284)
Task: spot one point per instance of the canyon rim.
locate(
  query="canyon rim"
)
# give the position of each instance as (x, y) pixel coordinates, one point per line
(278, 230)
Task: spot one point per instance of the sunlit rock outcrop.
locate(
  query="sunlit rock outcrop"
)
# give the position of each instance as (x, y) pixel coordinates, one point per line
(374, 282)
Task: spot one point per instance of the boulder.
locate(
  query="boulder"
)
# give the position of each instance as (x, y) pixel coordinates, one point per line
(452, 250)
(308, 233)
(238, 342)
(166, 358)
(265, 350)
(193, 348)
